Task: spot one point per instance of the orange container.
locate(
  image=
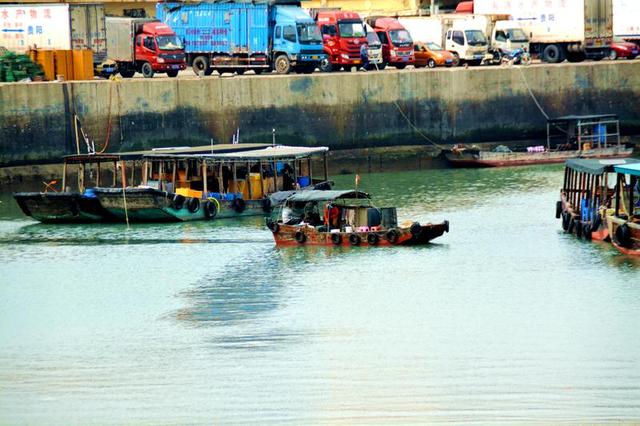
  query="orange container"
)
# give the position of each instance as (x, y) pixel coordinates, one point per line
(82, 64)
(45, 58)
(64, 64)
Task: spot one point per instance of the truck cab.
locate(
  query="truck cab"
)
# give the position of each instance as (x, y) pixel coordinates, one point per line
(296, 41)
(343, 35)
(397, 45)
(159, 48)
(374, 49)
(466, 42)
(506, 37)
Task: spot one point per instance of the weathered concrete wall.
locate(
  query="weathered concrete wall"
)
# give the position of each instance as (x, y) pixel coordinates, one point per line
(342, 110)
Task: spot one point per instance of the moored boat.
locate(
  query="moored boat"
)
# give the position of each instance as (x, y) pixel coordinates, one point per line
(589, 136)
(348, 219)
(623, 220)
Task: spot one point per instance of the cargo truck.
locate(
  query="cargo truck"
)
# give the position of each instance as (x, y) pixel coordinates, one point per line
(559, 29)
(462, 35)
(236, 37)
(144, 45)
(54, 26)
(397, 45)
(343, 35)
(374, 49)
(626, 20)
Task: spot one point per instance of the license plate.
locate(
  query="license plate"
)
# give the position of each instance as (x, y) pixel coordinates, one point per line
(479, 56)
(634, 52)
(598, 43)
(175, 67)
(315, 57)
(448, 61)
(356, 61)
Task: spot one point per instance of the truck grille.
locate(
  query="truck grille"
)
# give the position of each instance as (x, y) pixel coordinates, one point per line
(172, 56)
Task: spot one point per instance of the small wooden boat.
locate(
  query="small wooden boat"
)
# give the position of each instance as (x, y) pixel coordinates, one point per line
(348, 219)
(589, 136)
(586, 196)
(70, 206)
(623, 220)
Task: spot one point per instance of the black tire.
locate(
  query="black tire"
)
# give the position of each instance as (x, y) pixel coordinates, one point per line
(178, 202)
(273, 227)
(373, 239)
(572, 225)
(400, 66)
(586, 231)
(431, 63)
(382, 66)
(201, 63)
(172, 73)
(552, 54)
(574, 57)
(239, 205)
(597, 221)
(558, 209)
(497, 57)
(336, 239)
(146, 70)
(240, 71)
(623, 236)
(300, 237)
(193, 205)
(325, 65)
(577, 224)
(210, 210)
(566, 220)
(632, 57)
(613, 55)
(456, 60)
(392, 236)
(127, 73)
(282, 64)
(354, 239)
(258, 71)
(446, 226)
(415, 228)
(266, 205)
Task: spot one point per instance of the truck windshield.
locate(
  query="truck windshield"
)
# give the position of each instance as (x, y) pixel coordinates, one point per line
(475, 38)
(351, 29)
(169, 42)
(400, 38)
(373, 40)
(516, 35)
(309, 34)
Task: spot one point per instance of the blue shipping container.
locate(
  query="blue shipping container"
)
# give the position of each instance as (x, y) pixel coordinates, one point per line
(227, 28)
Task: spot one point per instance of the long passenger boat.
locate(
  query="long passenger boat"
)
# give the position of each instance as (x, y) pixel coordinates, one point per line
(587, 195)
(588, 136)
(623, 220)
(187, 187)
(345, 218)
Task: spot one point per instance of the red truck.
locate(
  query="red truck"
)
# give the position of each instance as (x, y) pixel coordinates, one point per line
(343, 35)
(144, 45)
(397, 45)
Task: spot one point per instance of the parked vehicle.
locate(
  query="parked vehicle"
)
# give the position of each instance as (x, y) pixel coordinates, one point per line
(144, 45)
(343, 34)
(345, 218)
(374, 49)
(624, 49)
(54, 26)
(432, 55)
(508, 39)
(571, 29)
(625, 20)
(397, 45)
(463, 36)
(236, 37)
(516, 57)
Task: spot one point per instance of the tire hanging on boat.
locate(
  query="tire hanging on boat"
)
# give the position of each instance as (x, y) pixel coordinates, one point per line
(623, 236)
(577, 224)
(392, 236)
(300, 237)
(415, 228)
(558, 209)
(178, 201)
(273, 227)
(210, 210)
(586, 230)
(565, 221)
(354, 239)
(336, 239)
(193, 205)
(239, 205)
(372, 239)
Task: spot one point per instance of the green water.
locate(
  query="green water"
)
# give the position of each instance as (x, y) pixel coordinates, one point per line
(504, 319)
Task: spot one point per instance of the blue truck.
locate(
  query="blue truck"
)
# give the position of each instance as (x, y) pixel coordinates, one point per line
(236, 37)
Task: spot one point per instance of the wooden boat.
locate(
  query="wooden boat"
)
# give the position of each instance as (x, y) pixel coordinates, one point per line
(589, 136)
(586, 195)
(187, 187)
(623, 220)
(348, 219)
(70, 206)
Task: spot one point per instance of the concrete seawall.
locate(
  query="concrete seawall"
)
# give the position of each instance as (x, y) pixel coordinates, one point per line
(341, 110)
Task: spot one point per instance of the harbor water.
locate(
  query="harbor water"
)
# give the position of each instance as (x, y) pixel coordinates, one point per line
(505, 319)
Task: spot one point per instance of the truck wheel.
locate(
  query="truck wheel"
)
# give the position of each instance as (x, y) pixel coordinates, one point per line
(240, 71)
(382, 66)
(401, 66)
(146, 70)
(127, 73)
(552, 54)
(258, 71)
(325, 65)
(283, 65)
(431, 63)
(172, 73)
(456, 60)
(201, 64)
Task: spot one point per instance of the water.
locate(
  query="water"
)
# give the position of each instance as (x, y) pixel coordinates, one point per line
(505, 319)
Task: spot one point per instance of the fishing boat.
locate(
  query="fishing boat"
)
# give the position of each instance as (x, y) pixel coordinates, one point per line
(586, 195)
(176, 187)
(623, 220)
(586, 136)
(79, 205)
(345, 218)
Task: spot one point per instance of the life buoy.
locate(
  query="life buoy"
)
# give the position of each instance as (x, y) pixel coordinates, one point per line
(336, 239)
(178, 201)
(354, 239)
(300, 237)
(558, 209)
(372, 239)
(273, 227)
(239, 205)
(392, 236)
(415, 228)
(266, 205)
(193, 205)
(623, 236)
(586, 230)
(210, 209)
(566, 219)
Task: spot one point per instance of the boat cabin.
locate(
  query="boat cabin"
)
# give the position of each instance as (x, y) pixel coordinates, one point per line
(583, 132)
(624, 219)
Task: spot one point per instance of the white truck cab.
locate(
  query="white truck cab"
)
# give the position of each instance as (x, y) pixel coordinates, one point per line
(506, 37)
(468, 42)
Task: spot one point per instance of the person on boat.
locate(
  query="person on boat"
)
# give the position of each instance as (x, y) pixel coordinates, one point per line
(311, 214)
(288, 180)
(290, 216)
(332, 216)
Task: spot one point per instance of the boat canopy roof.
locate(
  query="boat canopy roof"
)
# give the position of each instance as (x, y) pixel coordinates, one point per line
(263, 154)
(192, 150)
(629, 169)
(567, 119)
(90, 158)
(598, 167)
(317, 195)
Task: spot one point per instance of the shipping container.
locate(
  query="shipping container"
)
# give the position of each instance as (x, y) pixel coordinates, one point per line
(54, 26)
(626, 19)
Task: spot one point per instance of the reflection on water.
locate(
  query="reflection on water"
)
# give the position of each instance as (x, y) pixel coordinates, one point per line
(505, 319)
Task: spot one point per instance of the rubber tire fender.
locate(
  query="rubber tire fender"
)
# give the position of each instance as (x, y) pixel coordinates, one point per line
(210, 210)
(354, 239)
(566, 220)
(571, 226)
(300, 237)
(336, 239)
(273, 227)
(193, 205)
(372, 239)
(577, 224)
(558, 209)
(239, 205)
(415, 228)
(178, 201)
(586, 231)
(623, 235)
(392, 236)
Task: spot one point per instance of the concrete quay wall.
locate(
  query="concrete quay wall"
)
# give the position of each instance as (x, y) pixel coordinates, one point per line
(341, 110)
